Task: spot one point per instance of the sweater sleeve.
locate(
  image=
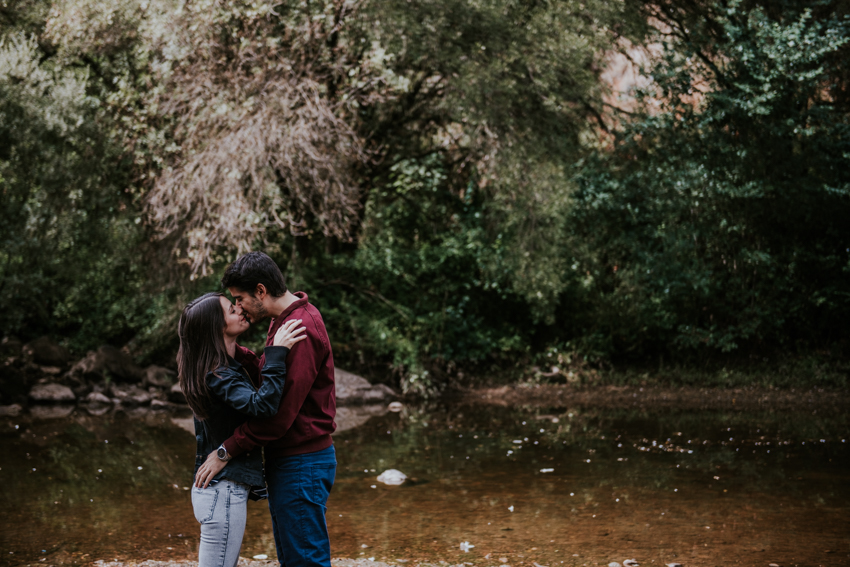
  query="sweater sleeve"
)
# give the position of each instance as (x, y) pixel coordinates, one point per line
(236, 392)
(303, 363)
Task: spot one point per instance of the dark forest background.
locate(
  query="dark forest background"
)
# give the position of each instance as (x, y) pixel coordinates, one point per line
(463, 188)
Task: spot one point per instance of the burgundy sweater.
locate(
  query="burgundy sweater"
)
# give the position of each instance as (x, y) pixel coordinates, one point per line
(305, 419)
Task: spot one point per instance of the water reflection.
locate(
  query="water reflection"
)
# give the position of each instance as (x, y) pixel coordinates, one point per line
(546, 485)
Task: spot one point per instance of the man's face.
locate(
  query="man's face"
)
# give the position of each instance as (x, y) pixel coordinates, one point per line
(252, 308)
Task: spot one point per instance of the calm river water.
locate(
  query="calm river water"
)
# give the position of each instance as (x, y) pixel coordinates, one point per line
(524, 486)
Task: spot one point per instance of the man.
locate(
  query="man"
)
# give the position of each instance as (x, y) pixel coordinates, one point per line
(300, 462)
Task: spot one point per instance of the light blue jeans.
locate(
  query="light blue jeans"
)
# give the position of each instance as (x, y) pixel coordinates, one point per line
(222, 510)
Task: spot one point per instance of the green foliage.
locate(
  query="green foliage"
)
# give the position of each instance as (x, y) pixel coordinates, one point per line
(446, 179)
(719, 220)
(506, 91)
(69, 261)
(420, 287)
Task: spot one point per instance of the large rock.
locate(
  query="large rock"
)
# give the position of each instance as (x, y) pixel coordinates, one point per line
(11, 346)
(98, 410)
(98, 398)
(352, 389)
(45, 352)
(175, 394)
(159, 376)
(107, 362)
(132, 396)
(157, 404)
(80, 390)
(52, 393)
(51, 412)
(355, 416)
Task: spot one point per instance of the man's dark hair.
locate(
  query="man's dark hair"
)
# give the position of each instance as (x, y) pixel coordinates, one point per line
(252, 269)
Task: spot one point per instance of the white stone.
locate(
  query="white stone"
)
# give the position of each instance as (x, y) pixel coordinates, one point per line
(392, 477)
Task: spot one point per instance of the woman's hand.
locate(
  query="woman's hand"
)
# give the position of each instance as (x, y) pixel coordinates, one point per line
(211, 467)
(286, 336)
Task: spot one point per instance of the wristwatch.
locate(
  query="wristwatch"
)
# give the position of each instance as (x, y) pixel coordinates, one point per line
(222, 454)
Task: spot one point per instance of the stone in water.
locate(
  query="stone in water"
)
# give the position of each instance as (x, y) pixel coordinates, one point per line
(392, 477)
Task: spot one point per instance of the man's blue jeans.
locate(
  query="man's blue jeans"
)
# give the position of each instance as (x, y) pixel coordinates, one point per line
(298, 495)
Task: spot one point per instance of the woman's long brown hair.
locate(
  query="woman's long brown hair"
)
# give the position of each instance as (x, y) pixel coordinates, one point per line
(202, 350)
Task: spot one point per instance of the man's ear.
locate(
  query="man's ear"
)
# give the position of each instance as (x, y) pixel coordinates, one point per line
(261, 292)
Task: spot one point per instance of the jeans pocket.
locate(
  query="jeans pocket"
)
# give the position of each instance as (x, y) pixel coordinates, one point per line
(203, 503)
(322, 479)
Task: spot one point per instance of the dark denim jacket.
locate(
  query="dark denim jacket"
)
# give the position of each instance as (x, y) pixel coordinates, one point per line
(233, 400)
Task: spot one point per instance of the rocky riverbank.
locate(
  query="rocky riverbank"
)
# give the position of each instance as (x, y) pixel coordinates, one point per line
(42, 378)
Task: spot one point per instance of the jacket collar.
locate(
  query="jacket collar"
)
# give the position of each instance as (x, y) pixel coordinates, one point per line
(233, 363)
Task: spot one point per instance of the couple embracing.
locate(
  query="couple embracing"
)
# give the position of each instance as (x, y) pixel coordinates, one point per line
(282, 403)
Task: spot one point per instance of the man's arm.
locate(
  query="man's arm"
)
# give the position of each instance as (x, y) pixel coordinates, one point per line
(302, 368)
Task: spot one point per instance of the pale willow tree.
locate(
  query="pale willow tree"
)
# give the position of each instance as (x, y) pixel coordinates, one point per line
(260, 141)
(242, 115)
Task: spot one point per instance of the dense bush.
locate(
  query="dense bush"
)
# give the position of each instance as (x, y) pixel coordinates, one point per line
(719, 220)
(70, 245)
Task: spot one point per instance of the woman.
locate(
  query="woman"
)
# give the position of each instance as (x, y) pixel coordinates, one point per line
(220, 392)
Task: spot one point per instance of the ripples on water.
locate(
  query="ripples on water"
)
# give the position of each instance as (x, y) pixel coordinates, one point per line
(550, 486)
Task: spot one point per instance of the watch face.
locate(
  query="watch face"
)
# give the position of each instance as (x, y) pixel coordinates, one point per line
(222, 453)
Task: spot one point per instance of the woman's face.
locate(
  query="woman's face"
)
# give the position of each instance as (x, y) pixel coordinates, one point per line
(234, 323)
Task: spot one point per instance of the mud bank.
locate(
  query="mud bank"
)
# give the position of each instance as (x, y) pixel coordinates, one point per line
(686, 398)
